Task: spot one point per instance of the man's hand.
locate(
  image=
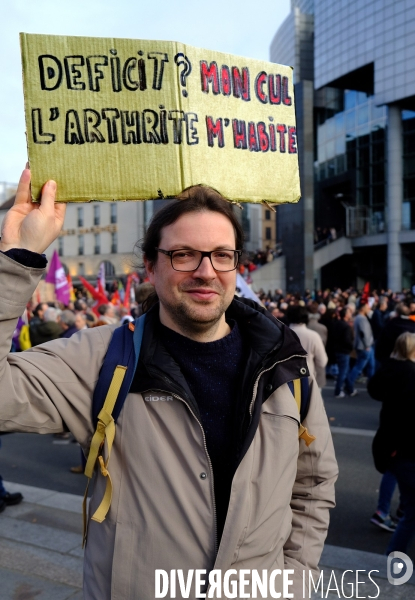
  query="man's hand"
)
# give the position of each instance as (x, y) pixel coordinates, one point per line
(30, 225)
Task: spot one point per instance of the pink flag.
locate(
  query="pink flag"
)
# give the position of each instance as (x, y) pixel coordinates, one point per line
(56, 275)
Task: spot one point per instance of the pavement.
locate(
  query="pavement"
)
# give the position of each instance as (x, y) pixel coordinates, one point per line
(40, 546)
(41, 555)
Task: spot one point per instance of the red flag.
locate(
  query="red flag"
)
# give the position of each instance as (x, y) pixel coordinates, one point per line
(127, 292)
(98, 296)
(116, 300)
(366, 292)
(101, 290)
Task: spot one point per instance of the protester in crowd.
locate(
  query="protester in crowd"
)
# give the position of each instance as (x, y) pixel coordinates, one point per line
(314, 321)
(327, 319)
(38, 313)
(81, 306)
(392, 330)
(223, 366)
(315, 325)
(124, 315)
(67, 321)
(279, 314)
(342, 346)
(106, 315)
(80, 321)
(393, 448)
(47, 329)
(380, 317)
(363, 344)
(297, 317)
(35, 320)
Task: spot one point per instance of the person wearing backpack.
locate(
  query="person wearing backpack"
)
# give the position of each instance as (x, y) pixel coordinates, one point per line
(221, 456)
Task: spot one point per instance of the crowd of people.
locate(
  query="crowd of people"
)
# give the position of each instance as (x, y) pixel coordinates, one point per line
(325, 234)
(255, 260)
(46, 321)
(366, 337)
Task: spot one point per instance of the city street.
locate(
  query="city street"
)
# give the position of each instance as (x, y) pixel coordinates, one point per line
(40, 461)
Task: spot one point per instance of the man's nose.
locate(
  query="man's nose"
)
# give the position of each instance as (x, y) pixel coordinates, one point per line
(205, 270)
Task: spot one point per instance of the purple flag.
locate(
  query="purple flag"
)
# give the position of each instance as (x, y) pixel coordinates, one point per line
(56, 275)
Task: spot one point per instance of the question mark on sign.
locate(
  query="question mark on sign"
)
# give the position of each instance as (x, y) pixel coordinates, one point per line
(181, 59)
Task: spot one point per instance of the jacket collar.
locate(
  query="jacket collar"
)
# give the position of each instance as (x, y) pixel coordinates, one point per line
(266, 338)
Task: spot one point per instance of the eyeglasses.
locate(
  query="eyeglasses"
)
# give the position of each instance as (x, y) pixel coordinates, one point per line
(187, 260)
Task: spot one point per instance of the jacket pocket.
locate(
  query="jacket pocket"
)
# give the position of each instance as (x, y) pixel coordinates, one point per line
(289, 417)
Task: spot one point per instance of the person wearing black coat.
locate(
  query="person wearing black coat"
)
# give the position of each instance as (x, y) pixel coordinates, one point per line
(392, 330)
(393, 448)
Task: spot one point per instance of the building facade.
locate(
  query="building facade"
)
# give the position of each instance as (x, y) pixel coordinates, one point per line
(99, 232)
(354, 74)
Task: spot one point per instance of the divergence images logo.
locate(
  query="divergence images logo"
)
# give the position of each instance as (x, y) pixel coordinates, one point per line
(399, 568)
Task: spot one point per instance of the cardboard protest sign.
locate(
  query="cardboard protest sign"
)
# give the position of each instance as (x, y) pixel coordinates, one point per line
(116, 119)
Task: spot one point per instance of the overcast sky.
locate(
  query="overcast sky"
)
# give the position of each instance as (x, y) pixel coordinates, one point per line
(237, 26)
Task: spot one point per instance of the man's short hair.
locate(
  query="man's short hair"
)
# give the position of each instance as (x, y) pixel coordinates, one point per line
(313, 307)
(102, 309)
(402, 309)
(68, 318)
(297, 314)
(197, 198)
(51, 314)
(343, 312)
(39, 308)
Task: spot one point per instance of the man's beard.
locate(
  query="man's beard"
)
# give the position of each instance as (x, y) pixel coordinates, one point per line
(191, 318)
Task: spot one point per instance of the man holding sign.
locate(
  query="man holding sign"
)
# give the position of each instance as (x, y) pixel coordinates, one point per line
(207, 466)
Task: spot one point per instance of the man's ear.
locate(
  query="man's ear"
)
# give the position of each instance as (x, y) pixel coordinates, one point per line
(149, 265)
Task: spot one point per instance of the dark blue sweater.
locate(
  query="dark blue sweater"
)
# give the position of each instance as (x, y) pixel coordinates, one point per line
(213, 371)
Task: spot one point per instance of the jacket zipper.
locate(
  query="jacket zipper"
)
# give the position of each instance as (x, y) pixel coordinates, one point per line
(265, 371)
(208, 457)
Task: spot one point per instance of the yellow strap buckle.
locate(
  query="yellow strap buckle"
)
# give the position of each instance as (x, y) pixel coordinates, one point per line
(105, 431)
(304, 435)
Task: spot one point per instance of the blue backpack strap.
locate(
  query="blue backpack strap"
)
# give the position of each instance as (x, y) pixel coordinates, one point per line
(300, 389)
(305, 396)
(124, 349)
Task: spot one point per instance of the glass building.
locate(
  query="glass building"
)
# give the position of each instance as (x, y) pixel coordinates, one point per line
(354, 75)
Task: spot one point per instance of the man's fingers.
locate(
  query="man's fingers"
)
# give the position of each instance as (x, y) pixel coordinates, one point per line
(48, 196)
(48, 202)
(23, 189)
(60, 210)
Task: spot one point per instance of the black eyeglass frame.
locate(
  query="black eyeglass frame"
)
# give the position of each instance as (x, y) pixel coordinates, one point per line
(237, 253)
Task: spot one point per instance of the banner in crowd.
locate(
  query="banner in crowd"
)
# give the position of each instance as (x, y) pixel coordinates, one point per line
(118, 119)
(56, 276)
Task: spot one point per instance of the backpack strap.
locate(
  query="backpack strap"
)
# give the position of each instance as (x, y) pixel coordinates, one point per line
(300, 389)
(113, 384)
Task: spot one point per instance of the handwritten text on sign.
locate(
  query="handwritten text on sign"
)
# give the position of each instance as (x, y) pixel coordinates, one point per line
(86, 107)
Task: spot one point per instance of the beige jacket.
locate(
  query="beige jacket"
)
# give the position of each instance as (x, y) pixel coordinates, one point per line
(162, 514)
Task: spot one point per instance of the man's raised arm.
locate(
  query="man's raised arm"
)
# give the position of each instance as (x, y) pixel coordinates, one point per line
(51, 385)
